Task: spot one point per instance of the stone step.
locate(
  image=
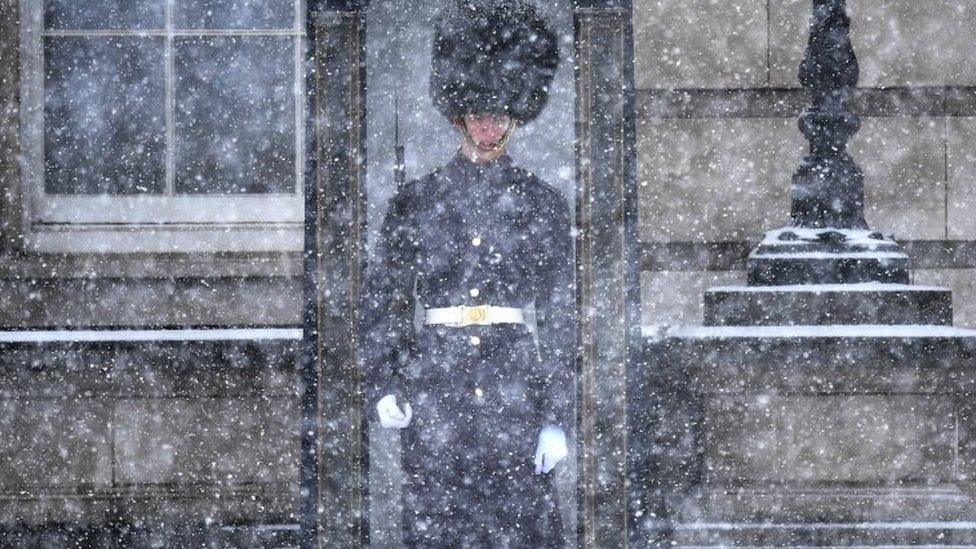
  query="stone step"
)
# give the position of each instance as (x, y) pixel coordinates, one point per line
(765, 270)
(822, 304)
(825, 256)
(813, 359)
(907, 534)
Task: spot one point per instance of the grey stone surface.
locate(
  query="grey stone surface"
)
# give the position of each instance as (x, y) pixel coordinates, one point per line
(898, 42)
(856, 363)
(699, 43)
(851, 503)
(207, 440)
(808, 305)
(803, 255)
(887, 439)
(961, 158)
(55, 442)
(903, 160)
(150, 302)
(719, 179)
(714, 179)
(674, 297)
(10, 153)
(763, 534)
(788, 439)
(113, 370)
(962, 282)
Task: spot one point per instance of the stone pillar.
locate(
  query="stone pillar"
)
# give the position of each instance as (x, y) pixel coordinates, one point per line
(334, 461)
(607, 269)
(829, 241)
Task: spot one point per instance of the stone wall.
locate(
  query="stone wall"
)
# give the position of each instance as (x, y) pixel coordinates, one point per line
(718, 98)
(118, 431)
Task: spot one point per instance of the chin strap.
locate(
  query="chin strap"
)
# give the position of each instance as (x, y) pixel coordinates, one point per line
(493, 147)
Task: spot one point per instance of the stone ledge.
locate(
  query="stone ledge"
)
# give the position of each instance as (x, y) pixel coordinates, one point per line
(248, 503)
(817, 359)
(905, 534)
(845, 503)
(187, 366)
(826, 304)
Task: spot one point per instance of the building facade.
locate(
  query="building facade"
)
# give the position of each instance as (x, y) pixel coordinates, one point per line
(685, 122)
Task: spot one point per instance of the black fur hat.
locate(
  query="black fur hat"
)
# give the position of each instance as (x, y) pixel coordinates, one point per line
(492, 56)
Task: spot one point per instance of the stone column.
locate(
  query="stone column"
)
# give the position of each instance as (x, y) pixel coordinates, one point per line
(334, 461)
(607, 270)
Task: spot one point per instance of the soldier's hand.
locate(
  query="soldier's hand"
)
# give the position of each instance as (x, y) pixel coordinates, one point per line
(390, 414)
(551, 448)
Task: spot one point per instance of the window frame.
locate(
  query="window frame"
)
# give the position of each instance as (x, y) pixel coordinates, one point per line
(145, 223)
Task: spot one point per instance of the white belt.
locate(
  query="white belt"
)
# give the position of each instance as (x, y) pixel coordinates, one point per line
(461, 315)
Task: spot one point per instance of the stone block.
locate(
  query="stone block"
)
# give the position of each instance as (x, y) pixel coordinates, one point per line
(731, 360)
(207, 440)
(947, 533)
(715, 179)
(961, 156)
(834, 439)
(897, 42)
(55, 442)
(234, 301)
(962, 282)
(794, 256)
(827, 304)
(699, 44)
(903, 160)
(674, 297)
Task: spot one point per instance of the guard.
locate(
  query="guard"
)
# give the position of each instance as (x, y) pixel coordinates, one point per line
(464, 253)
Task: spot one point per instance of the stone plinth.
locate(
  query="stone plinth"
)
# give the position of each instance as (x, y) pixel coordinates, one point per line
(805, 435)
(826, 256)
(826, 304)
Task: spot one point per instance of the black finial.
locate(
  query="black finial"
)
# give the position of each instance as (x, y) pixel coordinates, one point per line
(828, 188)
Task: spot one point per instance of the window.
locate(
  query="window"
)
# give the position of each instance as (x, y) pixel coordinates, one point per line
(164, 125)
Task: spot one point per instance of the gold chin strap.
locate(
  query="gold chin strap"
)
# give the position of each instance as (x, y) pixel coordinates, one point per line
(491, 148)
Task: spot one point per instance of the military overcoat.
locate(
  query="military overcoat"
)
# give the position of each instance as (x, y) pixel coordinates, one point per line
(473, 234)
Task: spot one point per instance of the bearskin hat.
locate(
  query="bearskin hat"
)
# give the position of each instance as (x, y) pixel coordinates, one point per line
(492, 56)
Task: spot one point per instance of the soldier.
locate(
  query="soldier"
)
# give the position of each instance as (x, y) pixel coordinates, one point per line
(483, 409)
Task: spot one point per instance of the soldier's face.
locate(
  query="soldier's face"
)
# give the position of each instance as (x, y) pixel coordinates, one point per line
(487, 129)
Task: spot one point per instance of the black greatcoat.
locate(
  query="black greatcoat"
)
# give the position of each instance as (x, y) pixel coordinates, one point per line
(471, 234)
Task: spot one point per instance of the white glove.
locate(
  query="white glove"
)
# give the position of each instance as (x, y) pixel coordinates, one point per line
(391, 415)
(551, 448)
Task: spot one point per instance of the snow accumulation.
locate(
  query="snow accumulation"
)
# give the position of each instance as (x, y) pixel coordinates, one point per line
(824, 288)
(906, 525)
(826, 331)
(830, 255)
(225, 334)
(854, 237)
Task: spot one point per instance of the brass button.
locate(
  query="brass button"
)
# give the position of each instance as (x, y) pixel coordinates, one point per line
(474, 292)
(475, 340)
(478, 391)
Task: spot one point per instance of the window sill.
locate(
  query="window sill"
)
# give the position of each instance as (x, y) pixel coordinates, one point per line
(165, 238)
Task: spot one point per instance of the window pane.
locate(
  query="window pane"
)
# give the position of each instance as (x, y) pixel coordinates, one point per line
(234, 14)
(104, 124)
(104, 14)
(235, 115)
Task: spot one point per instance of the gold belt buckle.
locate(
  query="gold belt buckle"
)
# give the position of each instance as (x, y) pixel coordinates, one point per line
(473, 315)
